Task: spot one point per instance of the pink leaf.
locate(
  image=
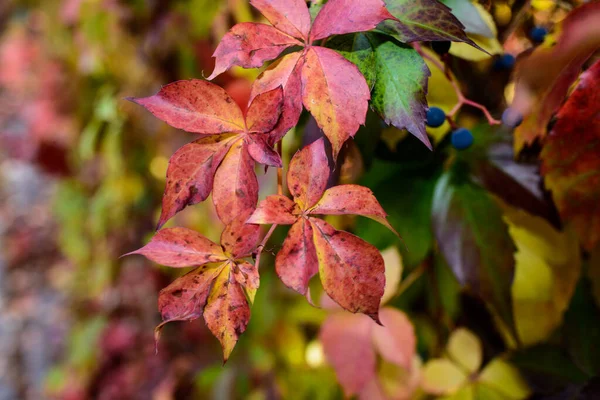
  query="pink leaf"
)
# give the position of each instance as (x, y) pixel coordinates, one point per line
(275, 209)
(335, 93)
(236, 188)
(289, 16)
(352, 271)
(191, 172)
(285, 73)
(347, 345)
(249, 45)
(308, 174)
(346, 16)
(239, 239)
(195, 106)
(261, 151)
(246, 274)
(351, 199)
(395, 340)
(181, 247)
(296, 263)
(265, 110)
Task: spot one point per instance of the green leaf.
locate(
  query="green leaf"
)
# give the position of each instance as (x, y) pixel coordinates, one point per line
(466, 12)
(474, 239)
(423, 20)
(401, 86)
(409, 212)
(358, 50)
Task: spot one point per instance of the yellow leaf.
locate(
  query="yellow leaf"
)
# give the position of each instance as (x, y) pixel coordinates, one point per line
(491, 45)
(505, 379)
(464, 348)
(441, 376)
(393, 272)
(465, 393)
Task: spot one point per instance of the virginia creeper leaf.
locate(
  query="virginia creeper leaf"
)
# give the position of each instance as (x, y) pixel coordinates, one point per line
(236, 188)
(195, 106)
(423, 20)
(351, 199)
(345, 16)
(468, 15)
(352, 271)
(296, 263)
(264, 111)
(335, 93)
(357, 49)
(227, 311)
(275, 209)
(289, 16)
(474, 239)
(181, 247)
(395, 340)
(571, 161)
(347, 343)
(249, 45)
(285, 73)
(400, 98)
(239, 238)
(308, 174)
(261, 151)
(191, 172)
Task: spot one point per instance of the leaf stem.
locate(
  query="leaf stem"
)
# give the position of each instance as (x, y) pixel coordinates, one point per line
(262, 245)
(280, 170)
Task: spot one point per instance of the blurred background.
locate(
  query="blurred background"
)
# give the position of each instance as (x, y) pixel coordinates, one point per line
(82, 173)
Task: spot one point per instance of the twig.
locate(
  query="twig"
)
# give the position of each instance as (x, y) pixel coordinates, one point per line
(262, 245)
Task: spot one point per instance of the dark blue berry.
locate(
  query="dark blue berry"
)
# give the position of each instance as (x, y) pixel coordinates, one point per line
(462, 139)
(538, 34)
(511, 118)
(441, 48)
(505, 61)
(435, 117)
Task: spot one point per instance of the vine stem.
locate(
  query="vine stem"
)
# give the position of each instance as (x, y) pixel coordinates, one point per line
(462, 100)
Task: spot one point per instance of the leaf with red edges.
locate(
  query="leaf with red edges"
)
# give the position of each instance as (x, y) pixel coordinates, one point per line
(285, 73)
(181, 247)
(191, 172)
(296, 263)
(308, 174)
(236, 188)
(289, 16)
(227, 311)
(264, 111)
(335, 93)
(195, 106)
(352, 271)
(571, 159)
(346, 16)
(275, 209)
(351, 199)
(261, 151)
(249, 45)
(239, 238)
(246, 274)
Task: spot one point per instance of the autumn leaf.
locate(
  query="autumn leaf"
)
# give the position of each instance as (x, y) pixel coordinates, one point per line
(571, 162)
(225, 155)
(539, 93)
(330, 87)
(351, 270)
(221, 288)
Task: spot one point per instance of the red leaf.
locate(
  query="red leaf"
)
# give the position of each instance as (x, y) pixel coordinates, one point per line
(275, 209)
(181, 247)
(351, 199)
(236, 188)
(571, 159)
(296, 263)
(246, 274)
(289, 16)
(261, 151)
(185, 298)
(240, 239)
(348, 347)
(285, 73)
(395, 340)
(190, 174)
(249, 45)
(335, 93)
(352, 271)
(346, 16)
(308, 174)
(195, 106)
(227, 311)
(265, 110)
